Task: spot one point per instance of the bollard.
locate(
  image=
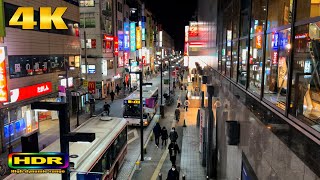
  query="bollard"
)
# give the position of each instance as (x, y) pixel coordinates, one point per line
(138, 167)
(184, 123)
(160, 176)
(183, 177)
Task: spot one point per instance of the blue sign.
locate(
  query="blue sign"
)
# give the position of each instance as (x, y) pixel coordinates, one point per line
(133, 37)
(143, 26)
(120, 41)
(126, 40)
(275, 42)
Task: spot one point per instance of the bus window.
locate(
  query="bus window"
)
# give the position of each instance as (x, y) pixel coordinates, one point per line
(97, 167)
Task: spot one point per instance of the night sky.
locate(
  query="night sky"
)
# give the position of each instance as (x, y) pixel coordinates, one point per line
(173, 15)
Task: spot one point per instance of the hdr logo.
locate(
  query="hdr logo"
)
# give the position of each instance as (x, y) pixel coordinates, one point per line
(27, 14)
(38, 160)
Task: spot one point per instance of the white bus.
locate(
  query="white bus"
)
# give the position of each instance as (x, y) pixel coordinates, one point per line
(131, 110)
(101, 158)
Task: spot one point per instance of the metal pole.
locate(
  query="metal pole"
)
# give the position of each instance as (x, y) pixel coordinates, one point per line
(169, 77)
(161, 82)
(64, 125)
(78, 100)
(141, 116)
(130, 75)
(85, 52)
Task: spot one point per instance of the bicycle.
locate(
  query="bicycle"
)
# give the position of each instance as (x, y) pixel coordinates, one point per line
(4, 169)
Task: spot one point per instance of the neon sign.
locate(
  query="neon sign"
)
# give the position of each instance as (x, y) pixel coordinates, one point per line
(133, 37)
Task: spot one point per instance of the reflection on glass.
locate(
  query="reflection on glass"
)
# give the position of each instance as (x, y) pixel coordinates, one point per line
(255, 63)
(234, 60)
(243, 58)
(277, 56)
(258, 17)
(305, 92)
(307, 9)
(279, 13)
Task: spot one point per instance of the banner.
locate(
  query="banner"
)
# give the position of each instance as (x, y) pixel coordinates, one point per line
(126, 39)
(133, 37)
(3, 75)
(138, 38)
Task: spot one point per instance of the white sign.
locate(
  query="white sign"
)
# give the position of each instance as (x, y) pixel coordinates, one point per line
(63, 82)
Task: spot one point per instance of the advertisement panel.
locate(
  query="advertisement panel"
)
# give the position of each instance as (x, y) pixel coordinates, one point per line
(143, 28)
(2, 24)
(133, 37)
(160, 39)
(3, 76)
(126, 58)
(116, 46)
(92, 87)
(28, 92)
(120, 40)
(126, 39)
(259, 37)
(138, 38)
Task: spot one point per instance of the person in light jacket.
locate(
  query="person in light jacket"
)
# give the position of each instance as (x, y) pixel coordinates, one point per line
(186, 104)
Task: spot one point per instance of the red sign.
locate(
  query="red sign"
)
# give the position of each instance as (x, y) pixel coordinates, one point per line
(93, 43)
(126, 58)
(107, 38)
(275, 58)
(92, 87)
(259, 37)
(144, 60)
(116, 46)
(3, 76)
(28, 92)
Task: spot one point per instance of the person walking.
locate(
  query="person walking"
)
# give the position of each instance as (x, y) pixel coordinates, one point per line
(173, 173)
(106, 108)
(173, 151)
(173, 135)
(186, 104)
(179, 101)
(112, 94)
(117, 89)
(164, 136)
(157, 133)
(177, 112)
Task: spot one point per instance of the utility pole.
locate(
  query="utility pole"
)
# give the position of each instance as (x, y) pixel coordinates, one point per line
(141, 115)
(85, 47)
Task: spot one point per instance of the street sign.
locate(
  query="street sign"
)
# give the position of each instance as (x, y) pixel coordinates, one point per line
(85, 83)
(98, 85)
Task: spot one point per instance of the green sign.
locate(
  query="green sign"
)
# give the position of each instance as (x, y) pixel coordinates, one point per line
(2, 25)
(98, 85)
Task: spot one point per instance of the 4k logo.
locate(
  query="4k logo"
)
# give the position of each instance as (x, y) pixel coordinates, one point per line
(46, 17)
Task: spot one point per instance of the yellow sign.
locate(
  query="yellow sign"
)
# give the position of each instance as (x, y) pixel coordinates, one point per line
(46, 18)
(133, 101)
(85, 83)
(138, 37)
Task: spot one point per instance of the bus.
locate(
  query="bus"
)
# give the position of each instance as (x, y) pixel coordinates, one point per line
(103, 157)
(131, 110)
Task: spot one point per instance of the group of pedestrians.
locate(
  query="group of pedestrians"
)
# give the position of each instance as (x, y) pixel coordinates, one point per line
(173, 147)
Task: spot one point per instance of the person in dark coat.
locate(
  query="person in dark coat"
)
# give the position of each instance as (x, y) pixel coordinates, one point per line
(173, 173)
(173, 135)
(117, 89)
(164, 136)
(173, 151)
(106, 108)
(112, 94)
(157, 133)
(177, 113)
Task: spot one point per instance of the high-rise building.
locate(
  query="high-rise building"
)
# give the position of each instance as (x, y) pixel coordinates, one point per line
(34, 67)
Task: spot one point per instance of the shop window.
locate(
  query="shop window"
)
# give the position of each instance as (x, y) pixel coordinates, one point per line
(255, 63)
(307, 9)
(276, 68)
(305, 92)
(258, 17)
(234, 64)
(243, 58)
(279, 13)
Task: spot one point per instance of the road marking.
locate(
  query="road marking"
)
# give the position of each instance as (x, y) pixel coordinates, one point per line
(163, 157)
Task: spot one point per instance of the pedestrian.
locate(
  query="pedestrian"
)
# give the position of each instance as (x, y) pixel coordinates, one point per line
(173, 173)
(106, 108)
(157, 133)
(164, 136)
(177, 112)
(179, 101)
(173, 151)
(117, 89)
(217, 103)
(112, 94)
(186, 104)
(173, 135)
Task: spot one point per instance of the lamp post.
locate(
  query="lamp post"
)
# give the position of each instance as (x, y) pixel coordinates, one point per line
(161, 105)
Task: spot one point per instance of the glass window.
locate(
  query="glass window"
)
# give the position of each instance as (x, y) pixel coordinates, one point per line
(279, 13)
(277, 57)
(235, 20)
(223, 60)
(234, 60)
(87, 20)
(305, 92)
(259, 13)
(244, 17)
(255, 63)
(243, 58)
(307, 9)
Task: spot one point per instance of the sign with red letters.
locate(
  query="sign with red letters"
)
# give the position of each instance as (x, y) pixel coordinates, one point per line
(3, 76)
(28, 92)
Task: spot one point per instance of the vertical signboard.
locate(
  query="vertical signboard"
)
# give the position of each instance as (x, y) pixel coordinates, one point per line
(3, 76)
(120, 40)
(259, 37)
(133, 37)
(116, 46)
(143, 26)
(138, 37)
(160, 38)
(2, 24)
(126, 39)
(186, 40)
(126, 58)
(92, 87)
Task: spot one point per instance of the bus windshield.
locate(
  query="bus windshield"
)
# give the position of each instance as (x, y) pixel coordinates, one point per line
(132, 110)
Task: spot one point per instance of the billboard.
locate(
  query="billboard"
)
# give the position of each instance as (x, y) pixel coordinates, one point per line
(133, 37)
(3, 75)
(126, 39)
(138, 38)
